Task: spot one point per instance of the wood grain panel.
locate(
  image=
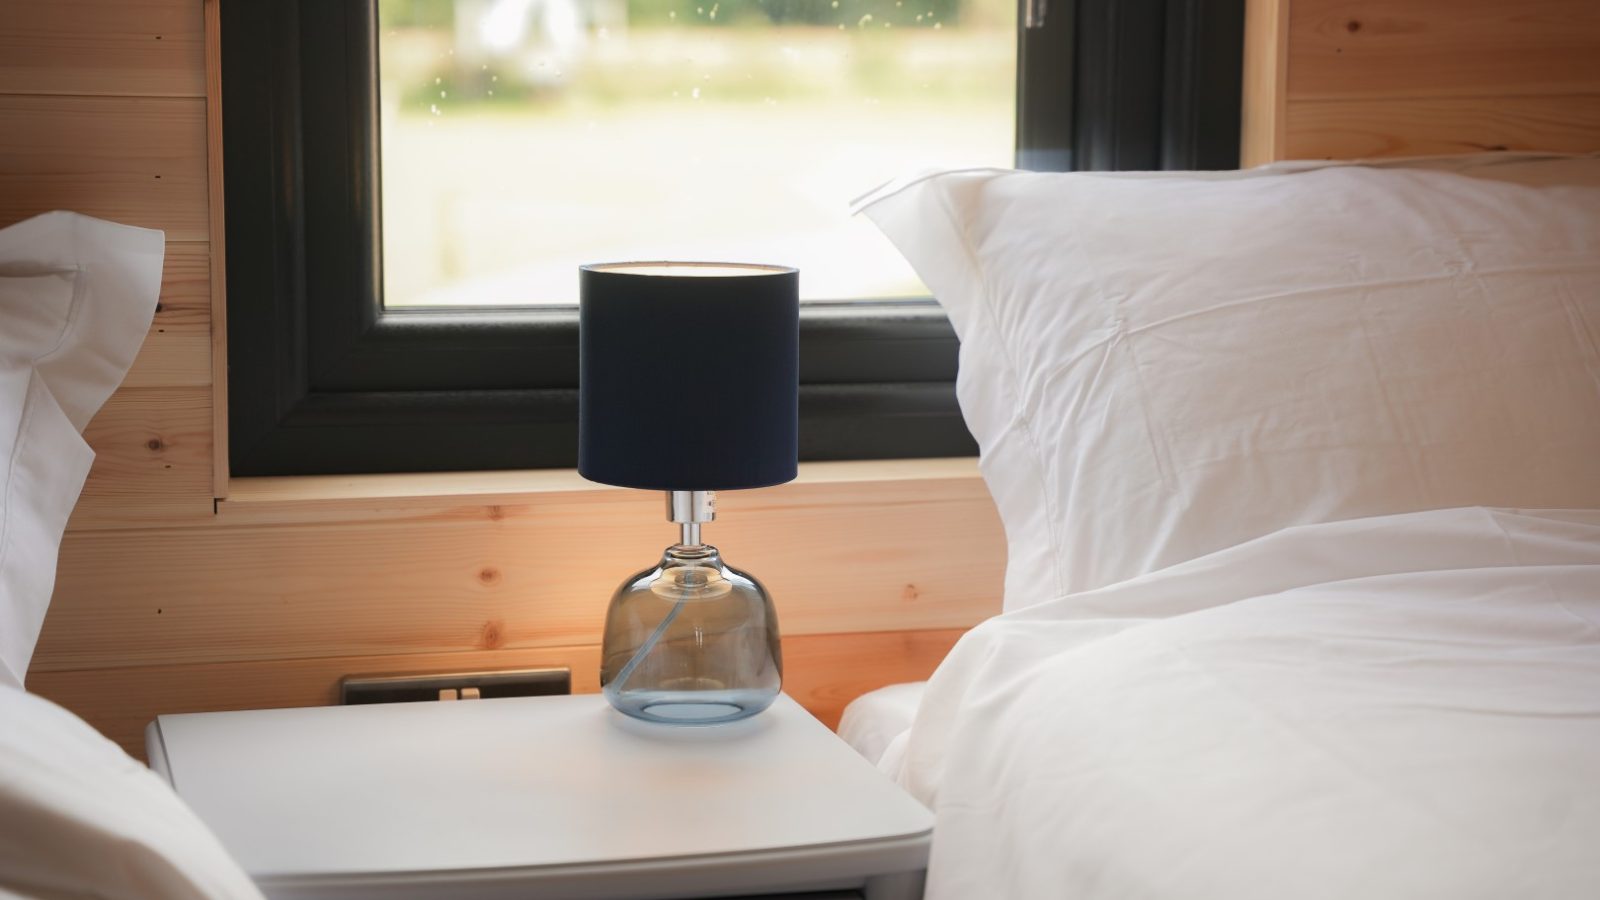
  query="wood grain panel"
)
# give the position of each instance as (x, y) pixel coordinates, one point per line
(302, 499)
(177, 350)
(1437, 48)
(1266, 35)
(185, 305)
(1347, 79)
(171, 360)
(1353, 129)
(121, 47)
(837, 557)
(219, 250)
(822, 672)
(140, 161)
(152, 461)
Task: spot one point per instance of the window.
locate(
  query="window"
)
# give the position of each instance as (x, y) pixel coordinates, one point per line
(410, 185)
(522, 138)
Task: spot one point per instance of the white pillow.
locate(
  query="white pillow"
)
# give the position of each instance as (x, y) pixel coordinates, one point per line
(76, 298)
(1157, 366)
(79, 818)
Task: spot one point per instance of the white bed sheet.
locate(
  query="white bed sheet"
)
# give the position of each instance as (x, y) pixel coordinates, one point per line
(1405, 706)
(874, 720)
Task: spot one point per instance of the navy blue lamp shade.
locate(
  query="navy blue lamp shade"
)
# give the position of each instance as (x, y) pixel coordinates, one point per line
(688, 375)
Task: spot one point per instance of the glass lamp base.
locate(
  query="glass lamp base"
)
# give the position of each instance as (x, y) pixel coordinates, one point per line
(691, 707)
(691, 642)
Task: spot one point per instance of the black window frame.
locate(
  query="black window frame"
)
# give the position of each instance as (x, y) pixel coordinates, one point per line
(323, 379)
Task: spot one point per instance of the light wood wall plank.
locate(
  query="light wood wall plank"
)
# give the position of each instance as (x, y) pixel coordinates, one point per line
(1355, 129)
(171, 360)
(838, 558)
(140, 161)
(303, 499)
(185, 304)
(115, 47)
(1344, 49)
(152, 463)
(1266, 29)
(822, 672)
(177, 349)
(219, 246)
(1348, 79)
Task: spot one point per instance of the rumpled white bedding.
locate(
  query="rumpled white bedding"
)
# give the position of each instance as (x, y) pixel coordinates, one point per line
(1405, 706)
(875, 719)
(79, 818)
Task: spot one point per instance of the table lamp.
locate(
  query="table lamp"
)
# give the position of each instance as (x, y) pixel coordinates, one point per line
(689, 384)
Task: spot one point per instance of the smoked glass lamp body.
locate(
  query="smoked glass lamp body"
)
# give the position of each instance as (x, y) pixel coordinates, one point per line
(691, 641)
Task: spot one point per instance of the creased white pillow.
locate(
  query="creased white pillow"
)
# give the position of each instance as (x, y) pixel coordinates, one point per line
(1160, 365)
(79, 818)
(76, 298)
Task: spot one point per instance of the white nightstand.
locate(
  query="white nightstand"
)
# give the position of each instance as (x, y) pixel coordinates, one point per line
(542, 797)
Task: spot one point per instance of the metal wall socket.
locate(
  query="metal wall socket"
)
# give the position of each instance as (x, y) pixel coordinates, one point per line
(357, 689)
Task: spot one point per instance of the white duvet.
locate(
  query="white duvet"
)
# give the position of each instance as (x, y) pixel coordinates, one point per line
(1405, 707)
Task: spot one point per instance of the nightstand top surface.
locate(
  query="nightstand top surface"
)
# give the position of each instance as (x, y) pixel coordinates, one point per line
(525, 784)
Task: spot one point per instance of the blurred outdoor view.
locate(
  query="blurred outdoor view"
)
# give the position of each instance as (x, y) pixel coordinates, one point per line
(523, 138)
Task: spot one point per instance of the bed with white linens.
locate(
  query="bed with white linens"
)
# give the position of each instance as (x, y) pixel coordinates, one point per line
(1300, 474)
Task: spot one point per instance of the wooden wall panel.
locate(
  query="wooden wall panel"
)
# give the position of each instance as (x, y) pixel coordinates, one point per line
(1356, 129)
(1261, 115)
(136, 160)
(152, 460)
(1364, 78)
(822, 672)
(215, 212)
(177, 349)
(146, 48)
(838, 558)
(1344, 49)
(185, 305)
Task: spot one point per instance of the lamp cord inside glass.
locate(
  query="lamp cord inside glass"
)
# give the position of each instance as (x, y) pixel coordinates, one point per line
(649, 644)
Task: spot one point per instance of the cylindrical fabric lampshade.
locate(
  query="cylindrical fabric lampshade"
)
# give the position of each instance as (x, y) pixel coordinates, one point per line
(688, 375)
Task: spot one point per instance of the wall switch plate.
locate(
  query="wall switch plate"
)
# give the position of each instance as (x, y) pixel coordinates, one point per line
(408, 688)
